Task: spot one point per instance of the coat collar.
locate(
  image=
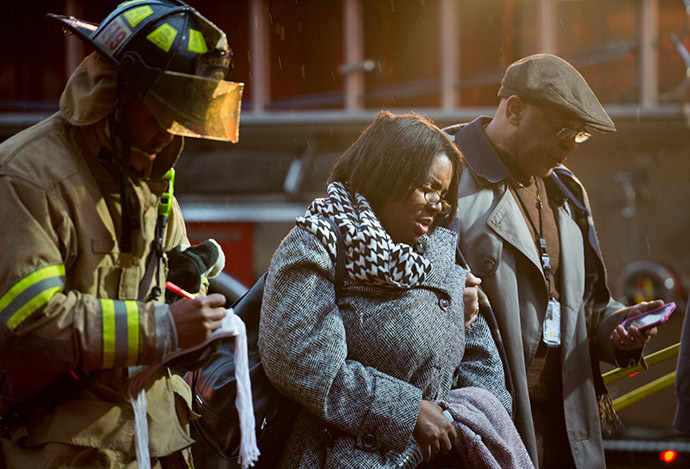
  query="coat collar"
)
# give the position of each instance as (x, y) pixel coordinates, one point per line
(439, 249)
(477, 150)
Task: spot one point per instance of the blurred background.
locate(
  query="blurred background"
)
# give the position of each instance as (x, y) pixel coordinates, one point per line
(317, 72)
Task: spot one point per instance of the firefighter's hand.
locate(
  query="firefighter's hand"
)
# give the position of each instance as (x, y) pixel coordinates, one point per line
(632, 339)
(433, 432)
(196, 318)
(470, 298)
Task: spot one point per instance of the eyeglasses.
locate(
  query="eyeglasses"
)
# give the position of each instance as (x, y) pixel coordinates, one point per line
(580, 136)
(565, 133)
(433, 197)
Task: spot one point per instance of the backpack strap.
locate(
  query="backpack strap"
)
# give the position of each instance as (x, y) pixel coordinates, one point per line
(339, 258)
(560, 177)
(596, 288)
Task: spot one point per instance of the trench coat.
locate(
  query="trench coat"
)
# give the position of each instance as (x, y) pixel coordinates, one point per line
(359, 368)
(499, 248)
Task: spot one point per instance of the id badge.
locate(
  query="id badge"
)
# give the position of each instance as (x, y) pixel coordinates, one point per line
(552, 324)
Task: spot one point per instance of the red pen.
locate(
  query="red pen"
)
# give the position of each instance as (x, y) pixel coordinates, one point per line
(175, 289)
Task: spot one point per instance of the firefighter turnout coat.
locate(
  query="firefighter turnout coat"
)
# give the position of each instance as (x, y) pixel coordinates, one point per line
(69, 298)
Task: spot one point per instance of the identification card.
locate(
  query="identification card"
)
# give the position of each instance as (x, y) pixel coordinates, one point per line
(552, 324)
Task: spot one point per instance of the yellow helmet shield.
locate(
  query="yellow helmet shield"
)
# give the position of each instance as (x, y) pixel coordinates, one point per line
(194, 106)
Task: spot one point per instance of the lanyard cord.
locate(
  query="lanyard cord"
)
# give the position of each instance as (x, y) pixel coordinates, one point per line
(544, 256)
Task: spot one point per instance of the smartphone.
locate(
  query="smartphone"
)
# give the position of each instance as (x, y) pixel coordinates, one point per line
(650, 319)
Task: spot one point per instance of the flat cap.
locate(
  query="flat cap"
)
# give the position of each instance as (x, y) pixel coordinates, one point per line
(550, 80)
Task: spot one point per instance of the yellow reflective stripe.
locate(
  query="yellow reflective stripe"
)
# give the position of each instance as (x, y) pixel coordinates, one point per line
(132, 332)
(197, 43)
(29, 280)
(135, 15)
(30, 294)
(163, 36)
(30, 307)
(108, 308)
(120, 333)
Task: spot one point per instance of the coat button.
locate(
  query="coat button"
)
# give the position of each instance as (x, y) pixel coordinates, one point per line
(489, 265)
(444, 303)
(369, 441)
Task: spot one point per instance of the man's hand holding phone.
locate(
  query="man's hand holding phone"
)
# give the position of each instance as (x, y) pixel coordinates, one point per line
(645, 316)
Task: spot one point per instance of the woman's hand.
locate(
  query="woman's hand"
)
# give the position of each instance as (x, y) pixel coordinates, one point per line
(470, 298)
(433, 432)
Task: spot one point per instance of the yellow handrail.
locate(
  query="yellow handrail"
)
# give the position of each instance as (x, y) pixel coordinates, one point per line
(651, 360)
(643, 391)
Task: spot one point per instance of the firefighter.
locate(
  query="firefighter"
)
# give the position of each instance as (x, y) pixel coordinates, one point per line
(86, 219)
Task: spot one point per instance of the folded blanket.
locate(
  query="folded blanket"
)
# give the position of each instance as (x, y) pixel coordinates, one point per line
(487, 437)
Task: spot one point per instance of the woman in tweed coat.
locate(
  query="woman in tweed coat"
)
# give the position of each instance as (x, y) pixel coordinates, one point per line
(367, 369)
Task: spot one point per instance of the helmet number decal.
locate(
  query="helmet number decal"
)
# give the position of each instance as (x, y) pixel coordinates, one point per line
(114, 35)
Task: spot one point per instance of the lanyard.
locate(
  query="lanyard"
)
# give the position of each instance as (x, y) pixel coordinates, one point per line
(543, 255)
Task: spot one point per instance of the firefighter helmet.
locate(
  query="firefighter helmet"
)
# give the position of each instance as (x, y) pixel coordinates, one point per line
(175, 58)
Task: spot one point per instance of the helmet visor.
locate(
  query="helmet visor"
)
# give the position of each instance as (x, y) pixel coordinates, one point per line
(193, 106)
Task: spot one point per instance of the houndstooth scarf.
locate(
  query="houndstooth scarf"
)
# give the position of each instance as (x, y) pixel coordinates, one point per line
(371, 256)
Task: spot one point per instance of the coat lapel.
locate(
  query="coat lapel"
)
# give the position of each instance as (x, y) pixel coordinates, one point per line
(443, 258)
(507, 221)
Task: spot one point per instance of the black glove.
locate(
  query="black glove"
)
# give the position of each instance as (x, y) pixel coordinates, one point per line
(189, 266)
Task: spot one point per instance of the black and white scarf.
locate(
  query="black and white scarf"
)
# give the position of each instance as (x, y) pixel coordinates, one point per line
(371, 255)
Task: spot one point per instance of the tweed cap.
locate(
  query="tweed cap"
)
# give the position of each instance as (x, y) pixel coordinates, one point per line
(549, 80)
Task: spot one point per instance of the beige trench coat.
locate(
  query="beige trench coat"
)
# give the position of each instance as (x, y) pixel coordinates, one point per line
(501, 251)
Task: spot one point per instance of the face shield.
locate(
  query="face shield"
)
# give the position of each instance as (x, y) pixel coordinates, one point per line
(194, 106)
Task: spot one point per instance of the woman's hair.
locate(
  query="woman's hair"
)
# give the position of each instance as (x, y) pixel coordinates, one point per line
(392, 158)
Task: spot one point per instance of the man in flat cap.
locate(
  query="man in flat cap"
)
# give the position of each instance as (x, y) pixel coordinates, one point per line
(526, 230)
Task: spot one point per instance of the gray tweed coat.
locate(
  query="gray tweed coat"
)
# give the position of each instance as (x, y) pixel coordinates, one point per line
(359, 369)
